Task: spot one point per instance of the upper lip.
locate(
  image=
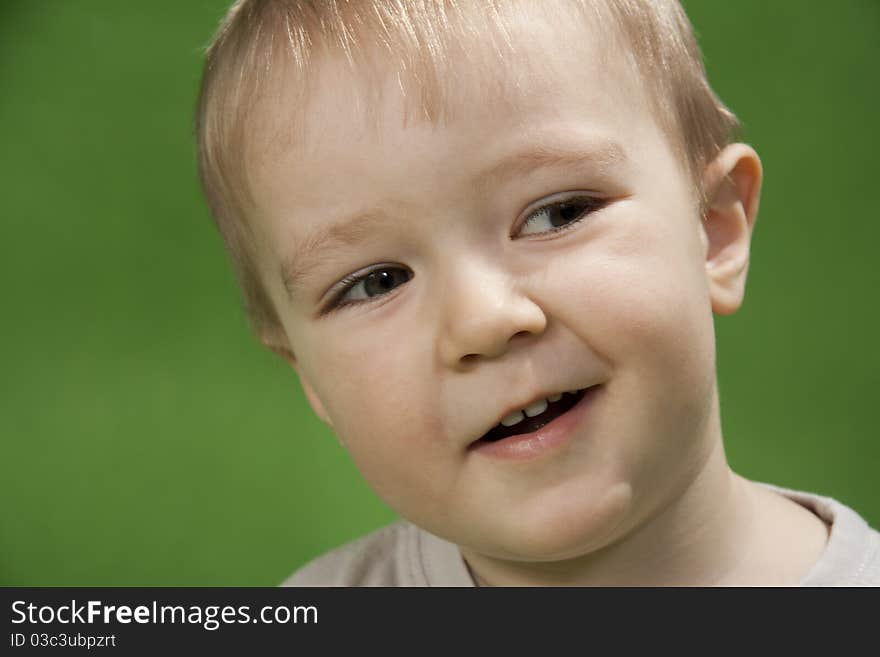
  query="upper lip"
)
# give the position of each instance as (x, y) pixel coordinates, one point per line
(518, 406)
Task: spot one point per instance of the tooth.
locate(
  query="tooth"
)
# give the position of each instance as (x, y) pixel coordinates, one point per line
(514, 418)
(554, 398)
(536, 408)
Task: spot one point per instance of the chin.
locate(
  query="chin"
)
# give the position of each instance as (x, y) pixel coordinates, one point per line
(567, 533)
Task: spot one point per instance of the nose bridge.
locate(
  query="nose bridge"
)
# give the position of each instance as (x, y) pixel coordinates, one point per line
(483, 309)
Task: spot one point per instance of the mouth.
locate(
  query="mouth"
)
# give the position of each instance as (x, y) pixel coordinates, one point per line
(532, 418)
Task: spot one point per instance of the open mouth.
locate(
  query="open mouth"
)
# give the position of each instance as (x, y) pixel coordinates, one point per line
(530, 419)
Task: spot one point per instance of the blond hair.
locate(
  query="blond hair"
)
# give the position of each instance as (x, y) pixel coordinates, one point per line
(257, 39)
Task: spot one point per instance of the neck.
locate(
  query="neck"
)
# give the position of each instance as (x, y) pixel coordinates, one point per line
(701, 537)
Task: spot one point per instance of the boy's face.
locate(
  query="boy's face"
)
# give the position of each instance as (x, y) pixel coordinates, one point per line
(473, 311)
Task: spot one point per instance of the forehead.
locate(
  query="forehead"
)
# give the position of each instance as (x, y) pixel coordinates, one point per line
(487, 64)
(358, 129)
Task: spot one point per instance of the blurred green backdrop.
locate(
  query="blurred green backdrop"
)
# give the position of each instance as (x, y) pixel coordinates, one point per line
(147, 439)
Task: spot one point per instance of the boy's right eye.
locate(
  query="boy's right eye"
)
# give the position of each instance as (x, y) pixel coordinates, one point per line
(360, 287)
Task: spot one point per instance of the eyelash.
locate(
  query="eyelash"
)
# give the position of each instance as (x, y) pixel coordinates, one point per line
(591, 204)
(349, 282)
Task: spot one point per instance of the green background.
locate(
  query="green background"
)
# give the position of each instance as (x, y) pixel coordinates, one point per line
(148, 440)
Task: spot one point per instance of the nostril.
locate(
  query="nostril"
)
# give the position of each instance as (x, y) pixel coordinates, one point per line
(469, 358)
(520, 334)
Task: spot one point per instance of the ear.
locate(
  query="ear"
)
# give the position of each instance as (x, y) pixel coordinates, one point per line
(732, 184)
(281, 346)
(314, 400)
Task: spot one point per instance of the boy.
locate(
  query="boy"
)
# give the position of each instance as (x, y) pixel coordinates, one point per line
(489, 238)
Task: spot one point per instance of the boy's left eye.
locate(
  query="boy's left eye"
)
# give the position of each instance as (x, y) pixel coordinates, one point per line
(554, 217)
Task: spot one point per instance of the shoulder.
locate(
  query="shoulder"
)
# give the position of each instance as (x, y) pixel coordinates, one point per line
(381, 558)
(400, 554)
(852, 553)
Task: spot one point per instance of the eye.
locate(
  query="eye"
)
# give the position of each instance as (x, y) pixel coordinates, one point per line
(358, 288)
(554, 217)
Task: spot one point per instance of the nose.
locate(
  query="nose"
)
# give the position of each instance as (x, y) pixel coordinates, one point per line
(484, 313)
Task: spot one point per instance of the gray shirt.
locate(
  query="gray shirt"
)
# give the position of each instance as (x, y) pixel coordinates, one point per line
(402, 554)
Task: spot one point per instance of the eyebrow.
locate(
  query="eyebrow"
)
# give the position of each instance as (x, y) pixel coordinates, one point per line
(352, 230)
(603, 155)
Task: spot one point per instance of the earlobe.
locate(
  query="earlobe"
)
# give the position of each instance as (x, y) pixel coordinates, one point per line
(281, 346)
(314, 400)
(732, 183)
(275, 340)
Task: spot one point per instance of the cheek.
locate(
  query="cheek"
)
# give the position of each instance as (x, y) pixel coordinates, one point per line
(367, 384)
(643, 294)
(643, 307)
(382, 402)
(664, 316)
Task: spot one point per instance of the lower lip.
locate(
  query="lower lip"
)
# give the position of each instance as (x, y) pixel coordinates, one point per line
(527, 446)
